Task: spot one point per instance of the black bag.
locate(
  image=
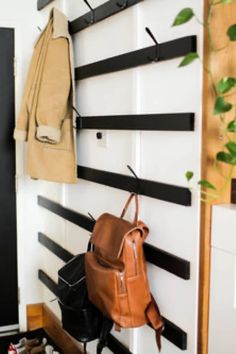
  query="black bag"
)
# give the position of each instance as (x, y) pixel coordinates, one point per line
(80, 318)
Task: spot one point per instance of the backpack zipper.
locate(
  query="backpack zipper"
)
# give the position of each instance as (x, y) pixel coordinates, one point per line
(135, 257)
(122, 282)
(71, 285)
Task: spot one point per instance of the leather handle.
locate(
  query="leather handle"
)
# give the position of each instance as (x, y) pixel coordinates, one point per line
(136, 207)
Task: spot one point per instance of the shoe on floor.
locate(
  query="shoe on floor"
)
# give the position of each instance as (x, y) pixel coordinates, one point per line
(49, 349)
(40, 349)
(23, 346)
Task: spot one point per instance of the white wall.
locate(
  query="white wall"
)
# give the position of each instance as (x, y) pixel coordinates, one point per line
(159, 156)
(223, 281)
(24, 18)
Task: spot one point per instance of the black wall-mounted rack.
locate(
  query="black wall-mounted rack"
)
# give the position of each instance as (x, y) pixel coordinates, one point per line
(161, 259)
(172, 332)
(42, 3)
(161, 191)
(168, 50)
(101, 12)
(160, 122)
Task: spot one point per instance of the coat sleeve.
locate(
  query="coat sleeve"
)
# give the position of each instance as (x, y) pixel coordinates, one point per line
(54, 92)
(22, 125)
(21, 129)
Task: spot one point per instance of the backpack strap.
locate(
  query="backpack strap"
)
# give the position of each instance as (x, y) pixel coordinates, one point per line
(105, 330)
(136, 207)
(85, 348)
(155, 320)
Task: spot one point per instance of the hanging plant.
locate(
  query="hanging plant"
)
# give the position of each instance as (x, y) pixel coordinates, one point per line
(222, 89)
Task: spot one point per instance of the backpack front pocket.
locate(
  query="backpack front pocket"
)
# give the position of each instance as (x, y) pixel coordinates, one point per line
(104, 286)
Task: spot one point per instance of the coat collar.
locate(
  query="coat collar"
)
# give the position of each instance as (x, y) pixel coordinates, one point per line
(60, 24)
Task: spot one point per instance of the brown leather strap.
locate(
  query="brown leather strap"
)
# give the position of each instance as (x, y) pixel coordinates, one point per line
(155, 320)
(136, 207)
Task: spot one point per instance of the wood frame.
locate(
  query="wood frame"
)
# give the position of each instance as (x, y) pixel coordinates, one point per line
(211, 143)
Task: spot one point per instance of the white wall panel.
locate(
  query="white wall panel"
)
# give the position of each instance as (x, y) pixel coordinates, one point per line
(159, 156)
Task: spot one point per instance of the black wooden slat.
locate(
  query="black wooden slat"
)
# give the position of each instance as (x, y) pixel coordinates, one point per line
(101, 12)
(42, 3)
(115, 346)
(48, 282)
(162, 259)
(172, 332)
(160, 122)
(175, 335)
(81, 220)
(54, 247)
(168, 50)
(162, 191)
(167, 261)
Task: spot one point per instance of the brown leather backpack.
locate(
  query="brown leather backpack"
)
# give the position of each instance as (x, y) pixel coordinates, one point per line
(116, 273)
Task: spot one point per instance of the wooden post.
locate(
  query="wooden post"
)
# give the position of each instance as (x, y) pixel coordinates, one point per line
(223, 63)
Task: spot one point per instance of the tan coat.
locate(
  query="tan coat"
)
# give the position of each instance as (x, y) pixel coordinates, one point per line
(46, 116)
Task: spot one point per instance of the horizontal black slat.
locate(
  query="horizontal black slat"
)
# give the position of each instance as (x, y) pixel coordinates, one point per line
(161, 122)
(42, 3)
(116, 346)
(54, 247)
(167, 192)
(101, 12)
(172, 332)
(175, 335)
(167, 261)
(48, 282)
(81, 220)
(162, 259)
(168, 50)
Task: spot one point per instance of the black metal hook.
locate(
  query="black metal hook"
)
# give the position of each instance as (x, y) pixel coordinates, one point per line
(76, 111)
(157, 52)
(91, 217)
(137, 179)
(124, 5)
(79, 116)
(92, 20)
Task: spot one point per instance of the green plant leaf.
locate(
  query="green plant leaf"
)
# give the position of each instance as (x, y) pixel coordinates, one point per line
(183, 16)
(227, 1)
(231, 127)
(188, 59)
(226, 84)
(226, 158)
(232, 32)
(206, 184)
(189, 175)
(231, 146)
(221, 106)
